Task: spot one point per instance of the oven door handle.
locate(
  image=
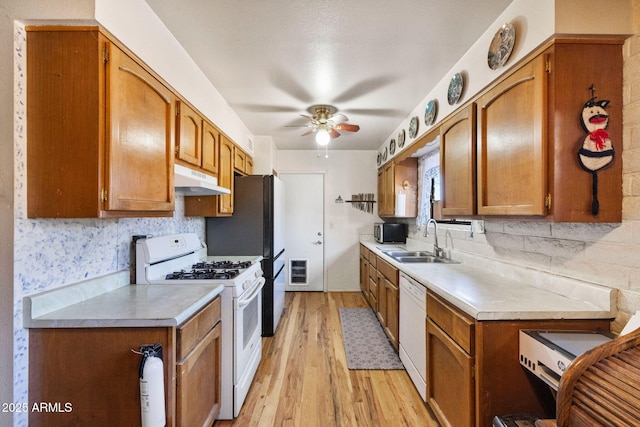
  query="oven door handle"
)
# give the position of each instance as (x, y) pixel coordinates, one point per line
(258, 288)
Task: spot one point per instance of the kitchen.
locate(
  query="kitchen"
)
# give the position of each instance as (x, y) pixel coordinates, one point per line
(605, 254)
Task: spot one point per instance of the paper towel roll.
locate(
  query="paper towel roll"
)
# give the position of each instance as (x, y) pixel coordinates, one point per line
(401, 203)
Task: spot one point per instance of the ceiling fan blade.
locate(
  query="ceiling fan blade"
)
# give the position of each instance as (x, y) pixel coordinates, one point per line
(258, 108)
(381, 112)
(339, 118)
(364, 87)
(347, 127)
(309, 132)
(333, 133)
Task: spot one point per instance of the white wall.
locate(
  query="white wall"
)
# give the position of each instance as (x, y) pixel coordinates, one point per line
(347, 173)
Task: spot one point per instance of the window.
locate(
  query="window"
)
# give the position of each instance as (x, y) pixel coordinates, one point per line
(428, 182)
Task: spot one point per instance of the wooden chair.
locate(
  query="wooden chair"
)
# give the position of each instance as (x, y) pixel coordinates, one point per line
(601, 387)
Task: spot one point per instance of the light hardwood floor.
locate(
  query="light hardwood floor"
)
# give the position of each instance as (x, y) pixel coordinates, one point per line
(303, 378)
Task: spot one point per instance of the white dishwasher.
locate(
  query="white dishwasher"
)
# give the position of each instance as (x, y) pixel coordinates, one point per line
(413, 340)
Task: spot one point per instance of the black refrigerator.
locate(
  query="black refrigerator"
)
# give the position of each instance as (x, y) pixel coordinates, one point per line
(256, 228)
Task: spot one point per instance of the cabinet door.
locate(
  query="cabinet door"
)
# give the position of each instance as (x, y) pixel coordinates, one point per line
(373, 285)
(389, 190)
(364, 276)
(198, 382)
(381, 298)
(458, 163)
(393, 310)
(188, 134)
(240, 161)
(386, 197)
(139, 142)
(249, 168)
(210, 147)
(450, 379)
(225, 176)
(381, 194)
(512, 144)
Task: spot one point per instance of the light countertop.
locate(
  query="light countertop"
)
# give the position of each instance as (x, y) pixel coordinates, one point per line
(110, 302)
(488, 295)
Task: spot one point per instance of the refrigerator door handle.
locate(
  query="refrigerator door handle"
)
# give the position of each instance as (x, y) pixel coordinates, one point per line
(277, 256)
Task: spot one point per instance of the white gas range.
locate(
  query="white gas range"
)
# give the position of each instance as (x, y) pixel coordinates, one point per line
(182, 258)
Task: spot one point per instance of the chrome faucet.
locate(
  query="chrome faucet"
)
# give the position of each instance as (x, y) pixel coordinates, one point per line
(437, 250)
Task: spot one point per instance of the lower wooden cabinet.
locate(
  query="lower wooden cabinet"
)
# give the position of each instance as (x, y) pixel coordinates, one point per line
(364, 271)
(379, 285)
(198, 382)
(450, 364)
(92, 373)
(473, 371)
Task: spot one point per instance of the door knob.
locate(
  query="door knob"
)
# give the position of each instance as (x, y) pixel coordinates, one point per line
(318, 242)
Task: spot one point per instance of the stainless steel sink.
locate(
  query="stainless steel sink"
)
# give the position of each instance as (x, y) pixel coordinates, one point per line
(418, 257)
(425, 259)
(394, 254)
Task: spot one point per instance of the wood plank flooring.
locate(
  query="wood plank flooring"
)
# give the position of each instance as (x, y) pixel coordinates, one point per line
(303, 378)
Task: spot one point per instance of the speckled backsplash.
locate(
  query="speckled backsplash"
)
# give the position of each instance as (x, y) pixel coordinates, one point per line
(49, 253)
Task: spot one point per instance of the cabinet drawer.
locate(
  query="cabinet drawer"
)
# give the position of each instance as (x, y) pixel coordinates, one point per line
(194, 329)
(459, 326)
(388, 271)
(373, 259)
(364, 251)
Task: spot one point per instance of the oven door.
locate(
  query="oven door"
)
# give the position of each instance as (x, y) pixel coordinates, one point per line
(247, 323)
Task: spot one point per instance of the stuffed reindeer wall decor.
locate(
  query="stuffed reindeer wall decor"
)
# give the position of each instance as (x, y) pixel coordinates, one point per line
(597, 151)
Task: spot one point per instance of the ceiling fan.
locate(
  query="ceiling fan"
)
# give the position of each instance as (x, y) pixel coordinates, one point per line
(326, 123)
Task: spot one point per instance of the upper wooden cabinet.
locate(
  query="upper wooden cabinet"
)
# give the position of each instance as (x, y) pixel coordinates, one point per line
(225, 177)
(512, 143)
(242, 162)
(529, 134)
(188, 134)
(100, 129)
(210, 147)
(394, 178)
(197, 140)
(458, 163)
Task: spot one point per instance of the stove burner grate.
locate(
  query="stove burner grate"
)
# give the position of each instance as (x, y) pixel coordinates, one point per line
(203, 274)
(226, 265)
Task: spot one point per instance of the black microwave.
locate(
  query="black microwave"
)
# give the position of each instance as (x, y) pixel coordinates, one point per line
(390, 233)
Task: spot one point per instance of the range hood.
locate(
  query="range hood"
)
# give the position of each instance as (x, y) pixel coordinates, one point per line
(193, 183)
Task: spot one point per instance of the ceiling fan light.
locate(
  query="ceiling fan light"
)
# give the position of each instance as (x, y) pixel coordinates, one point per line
(322, 137)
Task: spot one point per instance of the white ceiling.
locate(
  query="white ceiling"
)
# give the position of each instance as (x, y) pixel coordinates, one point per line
(374, 60)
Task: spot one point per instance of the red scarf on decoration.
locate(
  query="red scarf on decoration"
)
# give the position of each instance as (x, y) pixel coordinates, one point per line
(599, 137)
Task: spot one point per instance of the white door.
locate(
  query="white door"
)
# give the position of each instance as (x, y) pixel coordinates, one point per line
(304, 232)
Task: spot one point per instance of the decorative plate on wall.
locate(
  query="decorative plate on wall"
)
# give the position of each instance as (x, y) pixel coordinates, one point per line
(501, 46)
(431, 112)
(401, 137)
(455, 89)
(413, 127)
(379, 160)
(392, 147)
(384, 155)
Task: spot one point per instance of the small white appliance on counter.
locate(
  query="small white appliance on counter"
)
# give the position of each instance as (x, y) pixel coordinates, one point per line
(181, 259)
(547, 354)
